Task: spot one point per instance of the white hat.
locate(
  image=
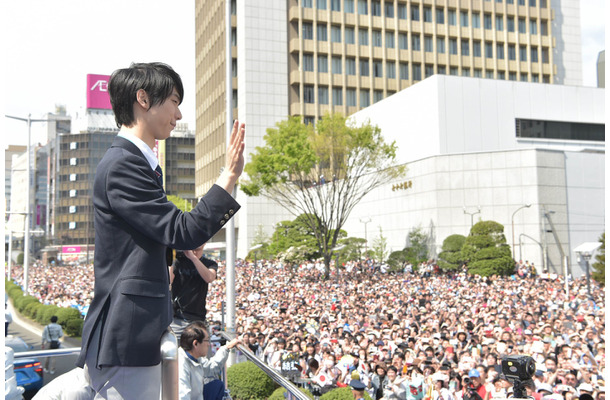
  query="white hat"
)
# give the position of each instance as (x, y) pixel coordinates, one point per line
(586, 387)
(545, 386)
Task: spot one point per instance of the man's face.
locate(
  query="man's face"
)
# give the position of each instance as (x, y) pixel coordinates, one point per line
(161, 119)
(571, 380)
(550, 365)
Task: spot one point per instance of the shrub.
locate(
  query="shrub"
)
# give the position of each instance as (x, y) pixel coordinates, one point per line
(74, 327)
(22, 302)
(66, 314)
(31, 309)
(43, 316)
(246, 381)
(20, 259)
(280, 394)
(344, 393)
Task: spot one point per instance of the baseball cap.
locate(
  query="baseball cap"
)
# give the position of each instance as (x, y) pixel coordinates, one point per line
(474, 373)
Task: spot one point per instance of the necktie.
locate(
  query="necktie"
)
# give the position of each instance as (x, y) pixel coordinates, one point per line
(159, 173)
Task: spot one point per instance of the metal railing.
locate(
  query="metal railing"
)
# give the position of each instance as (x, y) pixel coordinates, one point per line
(291, 388)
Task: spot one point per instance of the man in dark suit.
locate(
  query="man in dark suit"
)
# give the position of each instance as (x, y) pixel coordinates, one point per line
(134, 224)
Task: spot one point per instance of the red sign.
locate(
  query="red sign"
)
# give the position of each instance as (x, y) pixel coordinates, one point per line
(70, 249)
(97, 92)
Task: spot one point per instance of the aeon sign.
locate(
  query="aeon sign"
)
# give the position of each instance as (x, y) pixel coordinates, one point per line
(97, 92)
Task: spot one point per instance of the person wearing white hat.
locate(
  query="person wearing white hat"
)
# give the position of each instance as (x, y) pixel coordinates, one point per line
(440, 390)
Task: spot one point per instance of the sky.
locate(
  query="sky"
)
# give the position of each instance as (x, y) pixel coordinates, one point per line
(51, 45)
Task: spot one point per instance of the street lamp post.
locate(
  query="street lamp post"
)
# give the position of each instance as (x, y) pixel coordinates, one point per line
(26, 242)
(365, 221)
(512, 221)
(472, 214)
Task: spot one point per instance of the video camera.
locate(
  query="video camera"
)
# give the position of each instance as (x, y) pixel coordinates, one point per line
(519, 370)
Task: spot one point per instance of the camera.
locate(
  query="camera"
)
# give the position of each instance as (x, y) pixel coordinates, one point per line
(518, 368)
(467, 381)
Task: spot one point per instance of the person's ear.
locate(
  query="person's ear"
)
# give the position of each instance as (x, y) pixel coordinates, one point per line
(142, 99)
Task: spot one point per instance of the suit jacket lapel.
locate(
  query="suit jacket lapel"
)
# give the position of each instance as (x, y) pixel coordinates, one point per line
(132, 148)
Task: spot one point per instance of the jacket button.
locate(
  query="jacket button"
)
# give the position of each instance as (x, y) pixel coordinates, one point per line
(227, 216)
(231, 212)
(222, 222)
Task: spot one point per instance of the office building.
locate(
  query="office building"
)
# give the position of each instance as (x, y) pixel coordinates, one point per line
(310, 57)
(10, 151)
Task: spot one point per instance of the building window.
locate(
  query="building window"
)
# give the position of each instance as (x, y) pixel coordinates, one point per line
(363, 7)
(452, 18)
(501, 75)
(440, 16)
(499, 23)
(545, 55)
(489, 53)
(522, 25)
(532, 3)
(477, 73)
(544, 28)
(453, 71)
(512, 54)
(376, 38)
(307, 30)
(403, 71)
(390, 70)
(349, 35)
(402, 11)
(322, 63)
(335, 5)
(510, 24)
(489, 74)
(73, 193)
(539, 129)
(364, 67)
(521, 2)
(427, 14)
(349, 6)
(233, 37)
(476, 21)
(365, 98)
(414, 13)
(337, 96)
(441, 69)
(323, 94)
(534, 53)
(465, 47)
(523, 77)
(307, 3)
(389, 10)
(376, 8)
(73, 145)
(428, 70)
(350, 97)
(350, 66)
(308, 120)
(512, 76)
(428, 44)
(337, 65)
(322, 33)
(416, 72)
(72, 177)
(73, 161)
(533, 27)
(378, 69)
(72, 225)
(335, 34)
(363, 37)
(500, 51)
(377, 95)
(466, 72)
(308, 96)
(464, 19)
(415, 42)
(321, 4)
(308, 62)
(72, 209)
(522, 53)
(487, 21)
(535, 78)
(453, 46)
(389, 39)
(546, 79)
(440, 45)
(403, 41)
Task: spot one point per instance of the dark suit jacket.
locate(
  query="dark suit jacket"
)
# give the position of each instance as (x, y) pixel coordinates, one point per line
(134, 224)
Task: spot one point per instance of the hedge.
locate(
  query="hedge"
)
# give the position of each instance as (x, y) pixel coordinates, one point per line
(344, 393)
(246, 381)
(280, 394)
(69, 318)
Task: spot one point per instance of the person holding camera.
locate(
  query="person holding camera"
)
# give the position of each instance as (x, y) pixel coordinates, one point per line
(472, 388)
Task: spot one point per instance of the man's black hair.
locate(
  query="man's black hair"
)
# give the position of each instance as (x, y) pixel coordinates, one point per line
(194, 331)
(157, 79)
(54, 318)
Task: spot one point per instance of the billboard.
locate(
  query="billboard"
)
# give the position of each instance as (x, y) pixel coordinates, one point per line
(97, 92)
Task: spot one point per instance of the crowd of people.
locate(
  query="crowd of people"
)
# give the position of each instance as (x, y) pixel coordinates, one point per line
(407, 336)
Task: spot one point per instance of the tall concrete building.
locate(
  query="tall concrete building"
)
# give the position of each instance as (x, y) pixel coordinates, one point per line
(8, 167)
(310, 57)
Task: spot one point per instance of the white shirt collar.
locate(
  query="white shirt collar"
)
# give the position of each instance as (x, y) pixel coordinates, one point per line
(147, 151)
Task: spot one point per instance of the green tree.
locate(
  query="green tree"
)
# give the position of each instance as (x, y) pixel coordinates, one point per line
(418, 244)
(380, 247)
(321, 172)
(397, 260)
(295, 234)
(599, 266)
(450, 257)
(259, 246)
(486, 251)
(182, 204)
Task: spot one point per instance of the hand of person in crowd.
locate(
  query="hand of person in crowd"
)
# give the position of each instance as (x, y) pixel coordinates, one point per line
(234, 342)
(190, 254)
